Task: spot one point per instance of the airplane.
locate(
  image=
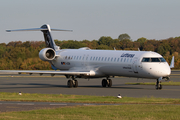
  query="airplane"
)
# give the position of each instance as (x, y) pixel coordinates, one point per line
(88, 63)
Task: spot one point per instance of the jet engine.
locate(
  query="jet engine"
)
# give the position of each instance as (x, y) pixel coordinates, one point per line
(47, 54)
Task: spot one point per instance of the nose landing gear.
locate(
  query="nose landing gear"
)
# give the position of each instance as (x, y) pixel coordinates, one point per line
(158, 84)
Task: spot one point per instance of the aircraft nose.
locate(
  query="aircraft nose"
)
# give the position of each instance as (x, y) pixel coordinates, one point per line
(161, 71)
(166, 71)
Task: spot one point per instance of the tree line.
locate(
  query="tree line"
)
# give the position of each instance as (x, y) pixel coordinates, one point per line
(17, 55)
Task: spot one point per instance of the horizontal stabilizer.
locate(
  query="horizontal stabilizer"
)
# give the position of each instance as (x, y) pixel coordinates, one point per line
(38, 29)
(47, 34)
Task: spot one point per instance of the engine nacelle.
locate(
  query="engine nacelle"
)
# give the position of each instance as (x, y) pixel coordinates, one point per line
(47, 54)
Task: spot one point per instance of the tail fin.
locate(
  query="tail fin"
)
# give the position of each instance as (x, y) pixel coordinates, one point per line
(47, 34)
(48, 37)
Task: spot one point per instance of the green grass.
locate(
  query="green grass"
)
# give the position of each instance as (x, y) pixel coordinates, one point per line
(131, 109)
(123, 112)
(153, 83)
(84, 98)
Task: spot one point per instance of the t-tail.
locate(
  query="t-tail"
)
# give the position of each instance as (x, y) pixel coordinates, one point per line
(47, 35)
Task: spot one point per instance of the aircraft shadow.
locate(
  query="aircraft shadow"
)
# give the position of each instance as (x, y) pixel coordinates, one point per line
(37, 85)
(109, 87)
(32, 85)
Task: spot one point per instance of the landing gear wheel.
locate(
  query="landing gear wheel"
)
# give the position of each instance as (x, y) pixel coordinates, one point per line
(104, 83)
(109, 82)
(70, 83)
(75, 83)
(158, 85)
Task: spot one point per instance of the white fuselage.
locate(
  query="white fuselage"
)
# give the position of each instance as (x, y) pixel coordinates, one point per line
(104, 63)
(87, 63)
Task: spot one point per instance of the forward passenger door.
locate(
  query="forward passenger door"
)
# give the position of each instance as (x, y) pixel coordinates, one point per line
(135, 65)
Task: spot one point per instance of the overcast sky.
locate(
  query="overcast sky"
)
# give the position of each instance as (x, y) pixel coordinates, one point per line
(90, 19)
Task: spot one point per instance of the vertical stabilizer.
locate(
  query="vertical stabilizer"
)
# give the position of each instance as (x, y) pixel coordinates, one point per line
(48, 37)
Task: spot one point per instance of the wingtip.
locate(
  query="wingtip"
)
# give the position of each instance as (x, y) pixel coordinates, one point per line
(172, 63)
(8, 30)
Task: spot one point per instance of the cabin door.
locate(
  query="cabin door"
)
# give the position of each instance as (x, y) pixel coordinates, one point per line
(85, 61)
(135, 65)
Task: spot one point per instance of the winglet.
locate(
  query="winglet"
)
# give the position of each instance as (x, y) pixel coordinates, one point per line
(172, 63)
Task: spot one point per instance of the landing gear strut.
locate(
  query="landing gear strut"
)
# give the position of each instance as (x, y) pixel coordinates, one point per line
(72, 83)
(106, 83)
(158, 84)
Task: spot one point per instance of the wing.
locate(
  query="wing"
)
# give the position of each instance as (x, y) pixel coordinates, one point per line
(78, 73)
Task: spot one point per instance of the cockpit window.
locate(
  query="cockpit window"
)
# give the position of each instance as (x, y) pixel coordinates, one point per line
(162, 59)
(146, 60)
(153, 60)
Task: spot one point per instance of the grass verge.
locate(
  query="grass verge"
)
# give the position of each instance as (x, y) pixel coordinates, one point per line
(153, 83)
(123, 112)
(4, 96)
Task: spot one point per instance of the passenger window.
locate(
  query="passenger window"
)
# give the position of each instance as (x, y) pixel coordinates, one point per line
(124, 59)
(99, 58)
(114, 59)
(80, 58)
(105, 58)
(118, 60)
(91, 58)
(131, 60)
(108, 58)
(127, 59)
(121, 59)
(94, 58)
(102, 58)
(74, 57)
(83, 58)
(77, 57)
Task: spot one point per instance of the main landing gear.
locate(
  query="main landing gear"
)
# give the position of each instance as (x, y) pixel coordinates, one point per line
(106, 83)
(72, 83)
(158, 84)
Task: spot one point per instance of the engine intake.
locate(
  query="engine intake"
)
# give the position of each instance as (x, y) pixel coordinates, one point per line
(47, 54)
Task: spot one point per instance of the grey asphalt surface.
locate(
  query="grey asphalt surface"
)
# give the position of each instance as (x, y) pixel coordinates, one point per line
(58, 85)
(8, 106)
